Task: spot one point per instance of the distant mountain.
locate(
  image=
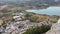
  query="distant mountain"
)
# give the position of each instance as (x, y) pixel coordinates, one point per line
(31, 2)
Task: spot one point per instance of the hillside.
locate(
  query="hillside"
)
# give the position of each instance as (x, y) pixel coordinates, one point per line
(55, 29)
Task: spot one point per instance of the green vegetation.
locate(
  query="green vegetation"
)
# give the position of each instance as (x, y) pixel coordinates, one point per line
(37, 18)
(33, 17)
(38, 30)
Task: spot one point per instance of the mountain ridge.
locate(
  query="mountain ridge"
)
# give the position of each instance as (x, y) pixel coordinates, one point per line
(50, 2)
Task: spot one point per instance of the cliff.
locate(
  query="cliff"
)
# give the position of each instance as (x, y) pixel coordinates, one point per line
(55, 29)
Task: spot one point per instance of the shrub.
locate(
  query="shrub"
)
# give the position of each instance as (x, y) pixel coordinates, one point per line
(38, 30)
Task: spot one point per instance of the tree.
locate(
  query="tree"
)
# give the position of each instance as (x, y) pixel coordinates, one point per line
(38, 30)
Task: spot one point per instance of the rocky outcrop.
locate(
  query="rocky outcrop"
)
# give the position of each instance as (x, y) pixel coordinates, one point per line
(55, 29)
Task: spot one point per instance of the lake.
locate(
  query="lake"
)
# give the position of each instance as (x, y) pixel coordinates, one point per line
(53, 10)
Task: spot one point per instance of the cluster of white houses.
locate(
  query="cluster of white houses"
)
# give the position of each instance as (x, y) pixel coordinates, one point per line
(19, 27)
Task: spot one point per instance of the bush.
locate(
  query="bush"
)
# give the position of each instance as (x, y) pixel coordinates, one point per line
(38, 30)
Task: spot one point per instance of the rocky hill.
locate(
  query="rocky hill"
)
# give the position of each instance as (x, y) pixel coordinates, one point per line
(55, 29)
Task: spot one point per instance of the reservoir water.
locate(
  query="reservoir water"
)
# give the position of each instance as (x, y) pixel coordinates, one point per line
(49, 11)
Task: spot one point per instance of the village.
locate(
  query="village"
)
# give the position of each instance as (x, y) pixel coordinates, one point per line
(18, 26)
